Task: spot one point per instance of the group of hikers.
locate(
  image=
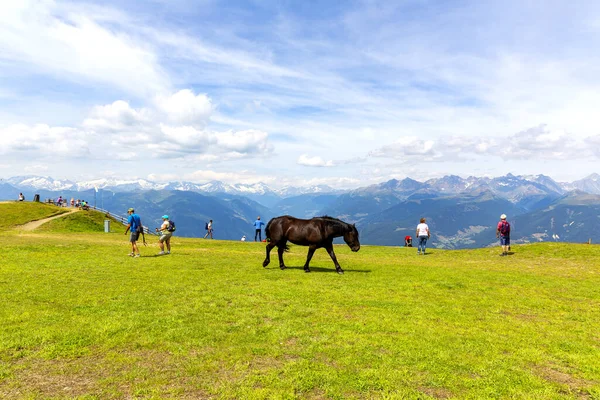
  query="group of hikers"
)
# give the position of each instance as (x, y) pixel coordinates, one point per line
(423, 233)
(81, 204)
(134, 226)
(135, 229)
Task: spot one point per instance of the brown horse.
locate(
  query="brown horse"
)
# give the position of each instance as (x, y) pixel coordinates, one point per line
(315, 233)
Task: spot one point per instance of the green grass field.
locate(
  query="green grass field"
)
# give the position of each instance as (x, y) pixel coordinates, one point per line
(17, 213)
(84, 221)
(82, 320)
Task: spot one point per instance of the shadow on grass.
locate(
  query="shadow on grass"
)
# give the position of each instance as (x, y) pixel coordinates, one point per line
(332, 269)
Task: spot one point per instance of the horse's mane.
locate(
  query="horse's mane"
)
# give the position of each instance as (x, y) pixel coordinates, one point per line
(335, 221)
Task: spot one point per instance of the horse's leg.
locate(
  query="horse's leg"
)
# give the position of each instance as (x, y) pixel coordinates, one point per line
(270, 246)
(280, 249)
(311, 251)
(329, 249)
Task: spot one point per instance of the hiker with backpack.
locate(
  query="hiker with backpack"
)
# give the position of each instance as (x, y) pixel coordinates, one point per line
(166, 232)
(209, 229)
(503, 233)
(134, 223)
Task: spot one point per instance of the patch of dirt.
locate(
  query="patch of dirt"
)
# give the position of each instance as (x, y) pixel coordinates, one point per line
(30, 226)
(575, 385)
(115, 376)
(436, 393)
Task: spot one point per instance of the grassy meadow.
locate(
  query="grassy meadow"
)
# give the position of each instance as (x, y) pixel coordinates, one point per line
(81, 319)
(19, 213)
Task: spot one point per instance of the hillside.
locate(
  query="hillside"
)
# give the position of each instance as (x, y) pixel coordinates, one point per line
(82, 221)
(19, 213)
(208, 321)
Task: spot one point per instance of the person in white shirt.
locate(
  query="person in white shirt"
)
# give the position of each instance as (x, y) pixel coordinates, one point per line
(165, 236)
(209, 230)
(422, 235)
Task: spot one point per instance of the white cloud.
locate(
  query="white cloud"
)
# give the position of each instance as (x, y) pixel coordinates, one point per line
(315, 161)
(35, 169)
(122, 132)
(118, 116)
(48, 38)
(537, 143)
(540, 143)
(408, 147)
(42, 139)
(186, 108)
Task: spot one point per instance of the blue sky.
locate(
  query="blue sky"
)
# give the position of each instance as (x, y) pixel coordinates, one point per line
(299, 93)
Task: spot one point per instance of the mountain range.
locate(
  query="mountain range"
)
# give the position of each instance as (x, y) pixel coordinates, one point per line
(462, 212)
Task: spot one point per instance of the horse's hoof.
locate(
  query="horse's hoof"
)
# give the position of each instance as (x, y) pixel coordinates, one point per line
(265, 263)
(307, 270)
(282, 267)
(341, 272)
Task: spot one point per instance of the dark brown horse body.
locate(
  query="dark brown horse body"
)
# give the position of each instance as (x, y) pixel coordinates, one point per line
(315, 233)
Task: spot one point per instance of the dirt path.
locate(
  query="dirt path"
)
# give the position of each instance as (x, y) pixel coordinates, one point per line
(35, 224)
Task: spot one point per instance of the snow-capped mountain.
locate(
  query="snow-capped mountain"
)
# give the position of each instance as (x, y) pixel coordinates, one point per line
(511, 187)
(452, 183)
(40, 182)
(589, 184)
(123, 185)
(119, 185)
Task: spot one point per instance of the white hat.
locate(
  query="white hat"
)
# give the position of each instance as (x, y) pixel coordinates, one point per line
(503, 216)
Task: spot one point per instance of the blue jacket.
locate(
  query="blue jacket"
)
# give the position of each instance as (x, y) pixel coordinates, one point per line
(134, 221)
(258, 224)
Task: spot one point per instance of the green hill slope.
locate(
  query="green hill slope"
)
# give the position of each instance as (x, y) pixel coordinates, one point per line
(19, 213)
(209, 322)
(83, 221)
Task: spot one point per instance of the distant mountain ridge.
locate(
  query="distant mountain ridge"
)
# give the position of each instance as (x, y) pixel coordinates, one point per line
(446, 184)
(462, 212)
(122, 185)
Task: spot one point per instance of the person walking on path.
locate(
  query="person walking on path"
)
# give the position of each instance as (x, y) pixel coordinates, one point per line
(422, 234)
(166, 232)
(134, 224)
(503, 232)
(258, 224)
(209, 230)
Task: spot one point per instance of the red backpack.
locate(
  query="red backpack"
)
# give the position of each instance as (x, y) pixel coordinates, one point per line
(504, 228)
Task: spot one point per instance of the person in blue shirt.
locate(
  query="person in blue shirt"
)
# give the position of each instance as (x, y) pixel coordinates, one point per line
(258, 224)
(134, 224)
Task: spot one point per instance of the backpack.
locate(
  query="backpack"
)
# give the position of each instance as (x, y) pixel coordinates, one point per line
(504, 228)
(206, 226)
(171, 227)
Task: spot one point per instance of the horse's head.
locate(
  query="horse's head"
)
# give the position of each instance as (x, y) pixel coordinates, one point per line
(351, 238)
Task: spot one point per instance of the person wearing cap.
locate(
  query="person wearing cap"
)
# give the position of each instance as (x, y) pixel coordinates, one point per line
(258, 224)
(503, 232)
(165, 236)
(134, 224)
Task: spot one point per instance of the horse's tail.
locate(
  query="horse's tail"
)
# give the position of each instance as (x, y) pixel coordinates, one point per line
(268, 230)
